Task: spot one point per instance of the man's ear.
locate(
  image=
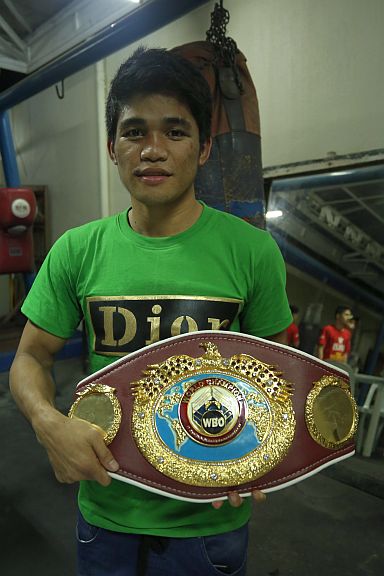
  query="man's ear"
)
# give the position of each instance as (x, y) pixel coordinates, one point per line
(111, 151)
(205, 150)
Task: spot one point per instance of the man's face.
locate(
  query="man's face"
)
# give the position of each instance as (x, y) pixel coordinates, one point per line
(157, 150)
(346, 317)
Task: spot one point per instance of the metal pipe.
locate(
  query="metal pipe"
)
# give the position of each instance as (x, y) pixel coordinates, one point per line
(147, 18)
(11, 171)
(343, 177)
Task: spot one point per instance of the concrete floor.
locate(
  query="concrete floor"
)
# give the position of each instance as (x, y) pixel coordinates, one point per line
(329, 525)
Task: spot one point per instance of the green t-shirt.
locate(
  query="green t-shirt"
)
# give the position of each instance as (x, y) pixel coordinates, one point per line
(133, 290)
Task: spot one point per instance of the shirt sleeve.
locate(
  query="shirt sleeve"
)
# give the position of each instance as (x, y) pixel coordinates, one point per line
(52, 303)
(267, 311)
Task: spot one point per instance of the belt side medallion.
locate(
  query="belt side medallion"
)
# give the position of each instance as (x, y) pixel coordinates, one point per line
(213, 421)
(98, 405)
(331, 412)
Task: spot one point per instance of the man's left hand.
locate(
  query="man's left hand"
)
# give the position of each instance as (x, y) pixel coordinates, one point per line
(236, 500)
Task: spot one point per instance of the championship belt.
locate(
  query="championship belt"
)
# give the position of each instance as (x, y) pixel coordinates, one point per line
(199, 415)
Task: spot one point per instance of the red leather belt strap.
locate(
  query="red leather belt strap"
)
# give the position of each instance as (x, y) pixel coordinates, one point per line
(179, 419)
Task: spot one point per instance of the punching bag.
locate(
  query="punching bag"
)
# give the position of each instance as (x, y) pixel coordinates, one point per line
(231, 180)
(17, 214)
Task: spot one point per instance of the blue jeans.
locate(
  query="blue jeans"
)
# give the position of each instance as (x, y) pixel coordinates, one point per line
(105, 553)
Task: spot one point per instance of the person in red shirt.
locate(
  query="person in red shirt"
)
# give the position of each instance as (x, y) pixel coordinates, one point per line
(293, 329)
(335, 339)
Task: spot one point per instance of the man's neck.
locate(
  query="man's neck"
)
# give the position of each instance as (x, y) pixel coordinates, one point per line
(158, 221)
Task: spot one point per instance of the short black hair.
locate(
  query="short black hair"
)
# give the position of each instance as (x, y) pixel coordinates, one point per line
(159, 71)
(341, 309)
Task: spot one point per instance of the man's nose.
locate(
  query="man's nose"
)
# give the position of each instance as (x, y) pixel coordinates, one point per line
(154, 148)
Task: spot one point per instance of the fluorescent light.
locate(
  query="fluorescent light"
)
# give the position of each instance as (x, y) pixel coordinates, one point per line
(342, 173)
(273, 214)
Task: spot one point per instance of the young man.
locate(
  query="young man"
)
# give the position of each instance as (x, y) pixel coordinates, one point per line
(335, 339)
(168, 265)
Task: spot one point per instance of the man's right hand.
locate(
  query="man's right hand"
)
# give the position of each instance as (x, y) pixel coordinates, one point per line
(76, 449)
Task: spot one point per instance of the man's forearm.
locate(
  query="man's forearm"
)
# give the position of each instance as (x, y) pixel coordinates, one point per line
(32, 388)
(76, 450)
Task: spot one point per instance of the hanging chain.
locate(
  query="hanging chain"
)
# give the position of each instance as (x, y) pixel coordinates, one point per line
(225, 46)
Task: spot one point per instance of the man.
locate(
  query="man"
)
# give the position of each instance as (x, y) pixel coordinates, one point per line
(293, 334)
(335, 339)
(168, 265)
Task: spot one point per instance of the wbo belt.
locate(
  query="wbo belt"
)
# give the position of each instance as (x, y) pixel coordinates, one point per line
(199, 415)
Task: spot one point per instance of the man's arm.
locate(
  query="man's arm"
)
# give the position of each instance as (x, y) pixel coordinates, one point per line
(75, 448)
(280, 337)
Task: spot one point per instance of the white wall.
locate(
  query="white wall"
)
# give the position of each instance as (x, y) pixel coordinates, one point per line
(56, 145)
(318, 69)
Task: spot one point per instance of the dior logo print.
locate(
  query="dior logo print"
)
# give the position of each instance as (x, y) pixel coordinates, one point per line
(120, 325)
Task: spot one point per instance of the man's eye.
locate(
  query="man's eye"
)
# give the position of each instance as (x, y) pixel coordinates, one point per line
(132, 133)
(176, 133)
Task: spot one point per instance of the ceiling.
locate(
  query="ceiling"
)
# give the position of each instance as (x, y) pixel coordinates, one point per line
(35, 32)
(25, 16)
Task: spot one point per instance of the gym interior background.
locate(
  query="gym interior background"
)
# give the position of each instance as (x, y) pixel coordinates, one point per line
(317, 68)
